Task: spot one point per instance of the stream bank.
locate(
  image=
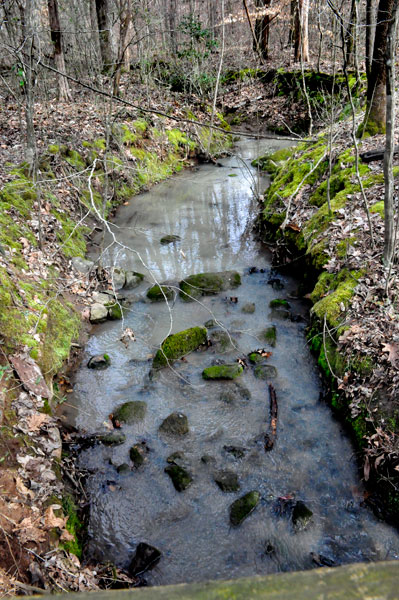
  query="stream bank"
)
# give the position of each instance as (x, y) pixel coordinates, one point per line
(353, 328)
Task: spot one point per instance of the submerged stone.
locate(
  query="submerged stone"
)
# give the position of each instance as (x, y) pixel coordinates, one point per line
(270, 335)
(248, 308)
(279, 303)
(99, 362)
(113, 438)
(229, 371)
(301, 515)
(123, 468)
(131, 412)
(221, 341)
(169, 239)
(180, 477)
(145, 558)
(138, 454)
(227, 481)
(179, 344)
(177, 458)
(114, 311)
(133, 279)
(265, 371)
(241, 508)
(175, 424)
(235, 393)
(158, 293)
(236, 451)
(207, 459)
(207, 284)
(211, 324)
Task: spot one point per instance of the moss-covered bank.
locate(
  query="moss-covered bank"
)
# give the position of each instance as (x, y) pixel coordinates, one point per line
(301, 179)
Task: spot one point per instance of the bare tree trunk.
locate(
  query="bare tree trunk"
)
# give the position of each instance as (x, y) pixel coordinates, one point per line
(172, 26)
(64, 92)
(370, 30)
(301, 31)
(350, 35)
(262, 28)
(389, 235)
(375, 117)
(102, 9)
(125, 18)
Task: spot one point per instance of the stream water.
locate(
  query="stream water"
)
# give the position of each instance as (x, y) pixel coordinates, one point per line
(212, 210)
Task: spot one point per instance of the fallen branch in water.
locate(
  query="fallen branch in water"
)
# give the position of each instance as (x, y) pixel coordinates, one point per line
(270, 437)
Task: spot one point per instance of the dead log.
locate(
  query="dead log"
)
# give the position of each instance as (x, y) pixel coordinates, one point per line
(270, 437)
(377, 154)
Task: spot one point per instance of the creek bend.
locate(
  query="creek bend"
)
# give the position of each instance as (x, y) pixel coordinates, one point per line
(212, 210)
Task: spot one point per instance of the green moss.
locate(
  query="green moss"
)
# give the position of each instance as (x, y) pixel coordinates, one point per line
(73, 525)
(333, 305)
(131, 412)
(179, 139)
(140, 125)
(179, 344)
(378, 207)
(180, 477)
(370, 127)
(74, 159)
(242, 508)
(114, 311)
(53, 148)
(270, 335)
(279, 303)
(230, 371)
(63, 324)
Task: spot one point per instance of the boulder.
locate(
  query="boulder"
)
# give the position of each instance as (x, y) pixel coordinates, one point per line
(99, 361)
(158, 293)
(132, 280)
(178, 345)
(98, 313)
(112, 438)
(265, 371)
(248, 308)
(206, 284)
(169, 239)
(227, 481)
(82, 265)
(228, 371)
(301, 515)
(145, 558)
(103, 297)
(130, 412)
(241, 508)
(114, 311)
(181, 478)
(175, 424)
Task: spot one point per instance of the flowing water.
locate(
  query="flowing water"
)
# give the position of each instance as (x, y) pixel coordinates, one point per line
(212, 209)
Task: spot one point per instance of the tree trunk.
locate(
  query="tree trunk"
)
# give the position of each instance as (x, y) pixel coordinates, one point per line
(370, 27)
(389, 233)
(64, 92)
(262, 28)
(351, 35)
(172, 26)
(104, 34)
(125, 18)
(301, 31)
(375, 117)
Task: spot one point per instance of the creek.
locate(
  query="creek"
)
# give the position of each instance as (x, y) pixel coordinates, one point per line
(212, 209)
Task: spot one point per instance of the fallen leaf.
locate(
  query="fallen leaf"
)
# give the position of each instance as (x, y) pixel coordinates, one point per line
(393, 350)
(36, 421)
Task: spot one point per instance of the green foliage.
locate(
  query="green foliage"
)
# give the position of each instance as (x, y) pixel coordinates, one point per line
(73, 525)
(197, 40)
(62, 328)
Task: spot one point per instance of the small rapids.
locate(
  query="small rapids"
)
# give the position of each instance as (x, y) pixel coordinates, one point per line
(212, 210)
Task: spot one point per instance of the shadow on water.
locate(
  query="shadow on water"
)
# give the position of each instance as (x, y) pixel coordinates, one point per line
(312, 461)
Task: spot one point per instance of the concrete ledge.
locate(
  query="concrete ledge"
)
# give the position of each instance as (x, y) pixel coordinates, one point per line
(371, 581)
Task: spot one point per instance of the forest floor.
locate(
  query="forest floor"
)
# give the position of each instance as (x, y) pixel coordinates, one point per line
(29, 510)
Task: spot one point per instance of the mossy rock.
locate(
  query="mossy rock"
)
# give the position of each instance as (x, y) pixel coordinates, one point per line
(265, 372)
(131, 412)
(181, 478)
(301, 515)
(242, 508)
(123, 468)
(228, 371)
(211, 324)
(113, 438)
(279, 303)
(99, 362)
(158, 293)
(256, 358)
(270, 335)
(207, 284)
(114, 311)
(175, 424)
(133, 280)
(227, 481)
(335, 293)
(221, 341)
(178, 345)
